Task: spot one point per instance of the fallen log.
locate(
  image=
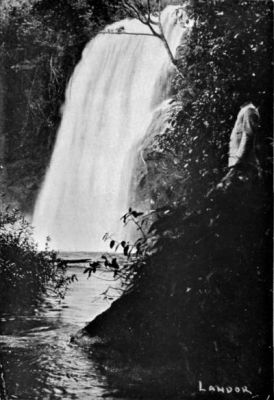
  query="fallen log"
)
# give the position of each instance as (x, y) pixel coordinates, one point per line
(74, 260)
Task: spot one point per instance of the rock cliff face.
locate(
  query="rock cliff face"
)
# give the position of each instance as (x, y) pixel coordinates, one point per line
(157, 179)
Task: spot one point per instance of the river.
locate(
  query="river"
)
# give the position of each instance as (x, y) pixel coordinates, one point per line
(38, 359)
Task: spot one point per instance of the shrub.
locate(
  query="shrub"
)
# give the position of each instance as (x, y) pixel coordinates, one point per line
(26, 274)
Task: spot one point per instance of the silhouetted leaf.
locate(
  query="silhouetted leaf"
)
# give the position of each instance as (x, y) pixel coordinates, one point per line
(94, 266)
(126, 250)
(136, 214)
(114, 263)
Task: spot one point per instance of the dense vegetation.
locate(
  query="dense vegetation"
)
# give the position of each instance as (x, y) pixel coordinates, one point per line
(26, 274)
(225, 63)
(202, 294)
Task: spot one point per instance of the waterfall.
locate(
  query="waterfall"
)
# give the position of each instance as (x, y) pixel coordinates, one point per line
(113, 92)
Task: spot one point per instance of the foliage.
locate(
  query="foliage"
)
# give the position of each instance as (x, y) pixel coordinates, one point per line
(211, 86)
(41, 42)
(201, 288)
(215, 84)
(203, 294)
(203, 300)
(126, 267)
(26, 274)
(226, 62)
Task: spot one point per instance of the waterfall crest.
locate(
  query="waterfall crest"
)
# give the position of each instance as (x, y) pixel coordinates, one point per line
(110, 100)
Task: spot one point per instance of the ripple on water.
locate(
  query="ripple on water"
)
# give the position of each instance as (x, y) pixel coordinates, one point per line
(39, 361)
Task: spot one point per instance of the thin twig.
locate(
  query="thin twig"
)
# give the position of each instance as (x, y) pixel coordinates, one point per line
(164, 40)
(146, 20)
(126, 33)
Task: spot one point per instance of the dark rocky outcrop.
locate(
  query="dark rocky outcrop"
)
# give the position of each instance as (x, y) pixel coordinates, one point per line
(203, 301)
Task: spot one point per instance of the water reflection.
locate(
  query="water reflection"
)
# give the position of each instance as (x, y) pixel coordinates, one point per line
(38, 360)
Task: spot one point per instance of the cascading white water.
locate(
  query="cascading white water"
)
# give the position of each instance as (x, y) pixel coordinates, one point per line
(110, 100)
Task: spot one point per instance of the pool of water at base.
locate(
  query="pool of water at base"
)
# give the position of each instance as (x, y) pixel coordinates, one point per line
(39, 362)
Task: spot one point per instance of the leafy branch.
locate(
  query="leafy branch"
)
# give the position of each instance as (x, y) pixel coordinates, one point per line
(126, 268)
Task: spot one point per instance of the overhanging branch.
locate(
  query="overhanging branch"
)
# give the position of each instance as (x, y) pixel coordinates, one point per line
(135, 11)
(126, 33)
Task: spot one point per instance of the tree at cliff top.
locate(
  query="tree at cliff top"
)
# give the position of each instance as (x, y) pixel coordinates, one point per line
(204, 297)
